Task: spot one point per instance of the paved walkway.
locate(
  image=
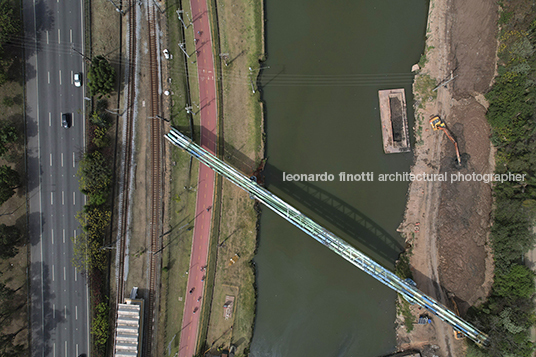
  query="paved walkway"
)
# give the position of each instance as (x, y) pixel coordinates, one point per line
(205, 187)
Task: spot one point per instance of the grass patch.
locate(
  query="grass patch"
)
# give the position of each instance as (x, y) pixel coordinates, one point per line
(184, 172)
(403, 308)
(423, 89)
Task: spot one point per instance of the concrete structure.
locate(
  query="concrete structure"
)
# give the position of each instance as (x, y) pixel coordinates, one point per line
(129, 327)
(394, 120)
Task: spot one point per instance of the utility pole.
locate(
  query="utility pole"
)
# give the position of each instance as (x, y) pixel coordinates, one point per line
(116, 111)
(224, 56)
(159, 117)
(179, 14)
(117, 8)
(80, 53)
(445, 83)
(181, 45)
(252, 86)
(257, 69)
(157, 6)
(189, 110)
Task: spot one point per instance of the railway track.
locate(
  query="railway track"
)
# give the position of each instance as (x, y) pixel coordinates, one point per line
(126, 159)
(156, 176)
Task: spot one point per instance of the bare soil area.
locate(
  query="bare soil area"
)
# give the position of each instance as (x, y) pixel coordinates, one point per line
(447, 224)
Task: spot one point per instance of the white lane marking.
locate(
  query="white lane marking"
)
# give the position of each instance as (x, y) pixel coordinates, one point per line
(72, 73)
(59, 34)
(48, 77)
(75, 236)
(75, 273)
(54, 311)
(64, 274)
(76, 313)
(50, 159)
(72, 116)
(64, 236)
(60, 77)
(52, 272)
(52, 234)
(49, 119)
(74, 199)
(62, 197)
(77, 349)
(65, 308)
(71, 35)
(73, 159)
(61, 159)
(51, 198)
(47, 38)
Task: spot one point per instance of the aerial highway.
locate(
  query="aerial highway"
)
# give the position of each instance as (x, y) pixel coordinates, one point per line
(58, 292)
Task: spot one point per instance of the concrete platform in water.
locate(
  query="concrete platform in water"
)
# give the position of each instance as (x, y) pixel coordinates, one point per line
(394, 121)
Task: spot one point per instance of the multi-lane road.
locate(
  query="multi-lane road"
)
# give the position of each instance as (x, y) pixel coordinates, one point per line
(59, 308)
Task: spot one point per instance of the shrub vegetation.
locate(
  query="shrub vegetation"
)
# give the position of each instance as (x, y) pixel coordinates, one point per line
(508, 313)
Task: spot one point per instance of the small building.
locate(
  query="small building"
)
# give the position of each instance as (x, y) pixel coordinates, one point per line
(394, 121)
(129, 328)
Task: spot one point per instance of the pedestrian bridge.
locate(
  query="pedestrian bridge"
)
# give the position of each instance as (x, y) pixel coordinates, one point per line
(404, 287)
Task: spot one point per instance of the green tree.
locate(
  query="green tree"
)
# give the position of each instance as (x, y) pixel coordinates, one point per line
(88, 253)
(9, 180)
(100, 326)
(8, 135)
(9, 23)
(101, 76)
(95, 173)
(9, 239)
(516, 283)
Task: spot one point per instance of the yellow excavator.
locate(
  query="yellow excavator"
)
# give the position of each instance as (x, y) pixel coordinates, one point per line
(438, 124)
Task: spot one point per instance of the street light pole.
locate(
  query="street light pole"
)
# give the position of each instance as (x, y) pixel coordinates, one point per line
(183, 50)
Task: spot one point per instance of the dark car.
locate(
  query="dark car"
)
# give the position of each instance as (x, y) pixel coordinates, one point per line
(66, 120)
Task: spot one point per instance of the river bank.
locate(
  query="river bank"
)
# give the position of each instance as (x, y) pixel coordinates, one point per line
(446, 225)
(238, 27)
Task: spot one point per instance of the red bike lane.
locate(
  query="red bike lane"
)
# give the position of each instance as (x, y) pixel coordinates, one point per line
(205, 187)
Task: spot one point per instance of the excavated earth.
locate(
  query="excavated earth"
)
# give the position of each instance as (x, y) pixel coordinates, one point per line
(447, 223)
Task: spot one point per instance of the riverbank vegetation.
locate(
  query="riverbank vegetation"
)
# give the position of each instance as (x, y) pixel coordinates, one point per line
(508, 314)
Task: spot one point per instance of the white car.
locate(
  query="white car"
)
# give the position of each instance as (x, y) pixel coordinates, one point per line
(77, 79)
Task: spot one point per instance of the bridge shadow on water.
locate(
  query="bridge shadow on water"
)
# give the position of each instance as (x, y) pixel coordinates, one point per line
(341, 217)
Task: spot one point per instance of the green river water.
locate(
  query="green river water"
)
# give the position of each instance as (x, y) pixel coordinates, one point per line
(327, 60)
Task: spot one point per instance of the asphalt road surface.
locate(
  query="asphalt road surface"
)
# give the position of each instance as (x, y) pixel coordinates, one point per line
(59, 307)
(205, 192)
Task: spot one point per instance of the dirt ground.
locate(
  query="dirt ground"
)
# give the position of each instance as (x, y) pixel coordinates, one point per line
(447, 223)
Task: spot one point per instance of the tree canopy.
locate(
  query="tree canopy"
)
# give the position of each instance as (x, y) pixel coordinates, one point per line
(9, 239)
(9, 180)
(101, 76)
